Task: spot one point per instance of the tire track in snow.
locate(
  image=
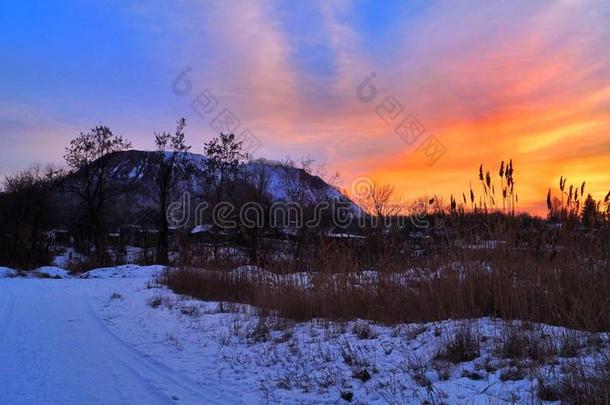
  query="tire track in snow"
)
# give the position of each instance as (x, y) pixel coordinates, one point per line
(170, 378)
(57, 349)
(52, 352)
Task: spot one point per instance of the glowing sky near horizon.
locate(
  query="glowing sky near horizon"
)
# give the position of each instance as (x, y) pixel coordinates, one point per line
(527, 80)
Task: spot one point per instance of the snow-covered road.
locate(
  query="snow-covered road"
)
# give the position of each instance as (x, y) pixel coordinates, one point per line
(54, 349)
(118, 337)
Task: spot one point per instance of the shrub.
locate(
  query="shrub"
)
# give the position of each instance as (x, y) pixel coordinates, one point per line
(159, 300)
(189, 310)
(261, 332)
(361, 374)
(462, 345)
(363, 330)
(518, 343)
(347, 396)
(513, 373)
(578, 383)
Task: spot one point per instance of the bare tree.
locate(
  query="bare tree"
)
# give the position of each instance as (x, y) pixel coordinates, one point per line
(171, 148)
(86, 156)
(380, 200)
(224, 155)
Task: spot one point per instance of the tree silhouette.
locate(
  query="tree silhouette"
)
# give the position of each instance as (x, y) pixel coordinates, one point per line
(224, 155)
(171, 148)
(86, 156)
(589, 212)
(29, 210)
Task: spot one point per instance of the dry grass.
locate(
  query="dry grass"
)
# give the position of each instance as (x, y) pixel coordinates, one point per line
(483, 263)
(520, 344)
(524, 269)
(161, 300)
(564, 283)
(463, 344)
(578, 382)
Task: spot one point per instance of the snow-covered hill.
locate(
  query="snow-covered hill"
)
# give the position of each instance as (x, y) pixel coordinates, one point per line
(138, 166)
(133, 172)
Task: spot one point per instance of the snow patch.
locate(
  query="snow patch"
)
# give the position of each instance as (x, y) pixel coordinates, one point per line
(280, 361)
(5, 272)
(51, 271)
(126, 271)
(68, 257)
(201, 229)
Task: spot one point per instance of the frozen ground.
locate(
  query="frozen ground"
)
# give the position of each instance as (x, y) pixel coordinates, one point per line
(55, 348)
(115, 336)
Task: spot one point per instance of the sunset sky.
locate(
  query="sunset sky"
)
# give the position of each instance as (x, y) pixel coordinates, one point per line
(490, 81)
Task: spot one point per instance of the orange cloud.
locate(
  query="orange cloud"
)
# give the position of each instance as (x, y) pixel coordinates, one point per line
(521, 80)
(534, 90)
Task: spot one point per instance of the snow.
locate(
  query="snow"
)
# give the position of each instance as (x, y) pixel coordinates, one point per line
(201, 229)
(55, 349)
(130, 254)
(134, 173)
(125, 271)
(306, 362)
(67, 257)
(51, 271)
(344, 235)
(5, 272)
(112, 336)
(278, 177)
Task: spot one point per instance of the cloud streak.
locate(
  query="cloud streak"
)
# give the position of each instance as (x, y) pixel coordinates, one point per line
(523, 80)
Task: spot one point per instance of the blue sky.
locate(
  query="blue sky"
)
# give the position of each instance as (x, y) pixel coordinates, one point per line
(521, 79)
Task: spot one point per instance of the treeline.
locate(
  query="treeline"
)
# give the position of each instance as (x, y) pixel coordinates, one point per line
(26, 209)
(91, 202)
(88, 199)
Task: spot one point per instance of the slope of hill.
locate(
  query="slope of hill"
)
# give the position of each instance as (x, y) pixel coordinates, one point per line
(132, 172)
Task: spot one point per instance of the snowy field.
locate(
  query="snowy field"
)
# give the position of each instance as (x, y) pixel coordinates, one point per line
(115, 336)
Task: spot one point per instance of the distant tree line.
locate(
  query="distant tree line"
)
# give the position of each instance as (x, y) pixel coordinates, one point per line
(84, 196)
